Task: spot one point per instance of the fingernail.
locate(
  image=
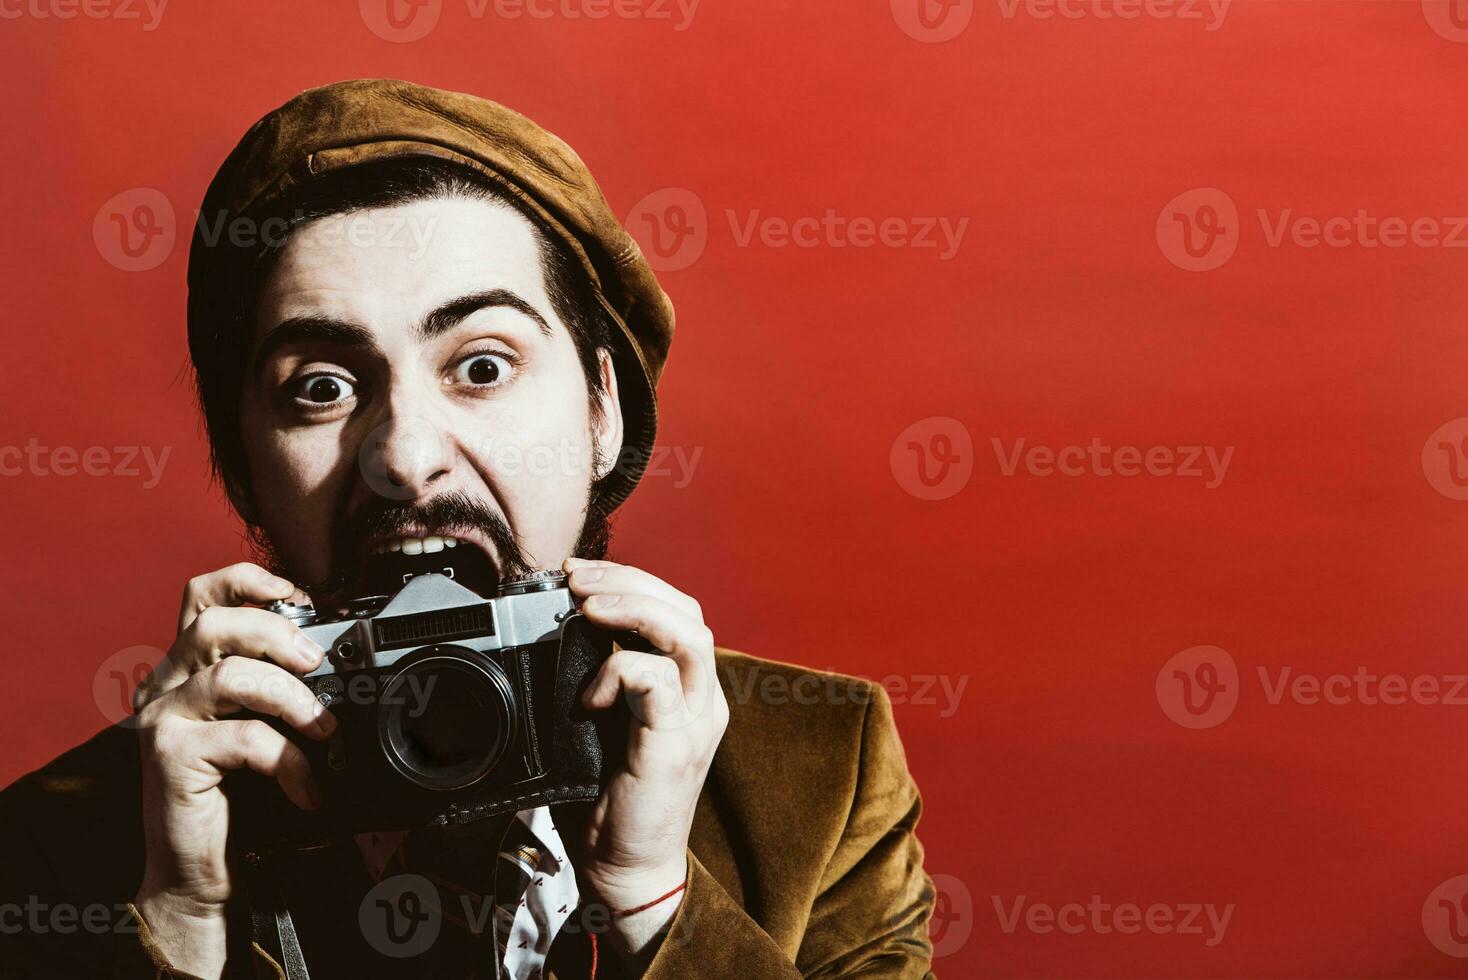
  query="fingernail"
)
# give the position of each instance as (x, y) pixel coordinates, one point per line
(586, 576)
(309, 650)
(571, 564)
(279, 584)
(602, 601)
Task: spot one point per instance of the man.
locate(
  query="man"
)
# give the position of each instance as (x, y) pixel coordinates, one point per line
(429, 294)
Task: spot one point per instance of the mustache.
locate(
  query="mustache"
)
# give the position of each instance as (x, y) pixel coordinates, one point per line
(383, 517)
(444, 514)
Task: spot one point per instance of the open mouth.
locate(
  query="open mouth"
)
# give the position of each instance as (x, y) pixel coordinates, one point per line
(390, 561)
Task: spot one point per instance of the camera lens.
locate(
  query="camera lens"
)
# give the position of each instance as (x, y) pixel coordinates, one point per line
(447, 718)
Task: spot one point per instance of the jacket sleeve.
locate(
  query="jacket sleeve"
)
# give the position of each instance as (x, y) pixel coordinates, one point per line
(870, 915)
(137, 956)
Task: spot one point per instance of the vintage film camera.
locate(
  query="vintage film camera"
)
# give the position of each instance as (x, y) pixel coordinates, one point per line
(451, 708)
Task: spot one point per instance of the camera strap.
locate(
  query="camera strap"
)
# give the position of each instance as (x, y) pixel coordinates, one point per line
(271, 926)
(268, 877)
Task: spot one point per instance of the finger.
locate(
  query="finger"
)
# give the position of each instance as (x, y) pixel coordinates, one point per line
(254, 745)
(684, 639)
(232, 586)
(238, 684)
(649, 682)
(221, 631)
(600, 577)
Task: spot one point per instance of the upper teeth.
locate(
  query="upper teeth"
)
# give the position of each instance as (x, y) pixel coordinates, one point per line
(415, 546)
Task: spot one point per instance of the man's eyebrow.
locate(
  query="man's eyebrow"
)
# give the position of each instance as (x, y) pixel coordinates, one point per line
(455, 311)
(313, 329)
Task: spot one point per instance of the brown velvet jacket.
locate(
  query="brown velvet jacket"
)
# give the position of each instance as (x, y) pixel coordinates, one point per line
(802, 862)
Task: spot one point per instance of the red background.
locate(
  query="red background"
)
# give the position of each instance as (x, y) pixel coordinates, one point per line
(1056, 600)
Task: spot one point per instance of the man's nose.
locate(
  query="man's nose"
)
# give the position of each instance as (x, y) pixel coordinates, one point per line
(405, 456)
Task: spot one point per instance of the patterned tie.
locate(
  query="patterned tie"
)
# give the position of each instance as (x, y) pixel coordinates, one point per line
(538, 891)
(519, 861)
(523, 920)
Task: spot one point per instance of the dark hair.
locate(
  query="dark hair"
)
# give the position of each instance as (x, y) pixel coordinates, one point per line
(219, 366)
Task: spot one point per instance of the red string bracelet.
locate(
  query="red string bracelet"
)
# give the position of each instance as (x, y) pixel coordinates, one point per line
(626, 912)
(657, 901)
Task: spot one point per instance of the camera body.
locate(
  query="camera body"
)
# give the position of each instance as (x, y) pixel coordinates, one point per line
(451, 708)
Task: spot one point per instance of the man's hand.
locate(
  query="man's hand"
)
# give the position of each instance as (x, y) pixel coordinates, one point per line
(225, 660)
(636, 837)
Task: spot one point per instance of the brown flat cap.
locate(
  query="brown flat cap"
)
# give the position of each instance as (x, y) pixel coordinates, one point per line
(346, 124)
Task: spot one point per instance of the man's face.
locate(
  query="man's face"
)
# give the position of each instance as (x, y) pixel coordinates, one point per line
(411, 381)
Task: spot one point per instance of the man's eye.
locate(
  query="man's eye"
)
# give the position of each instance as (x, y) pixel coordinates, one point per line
(324, 389)
(483, 369)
